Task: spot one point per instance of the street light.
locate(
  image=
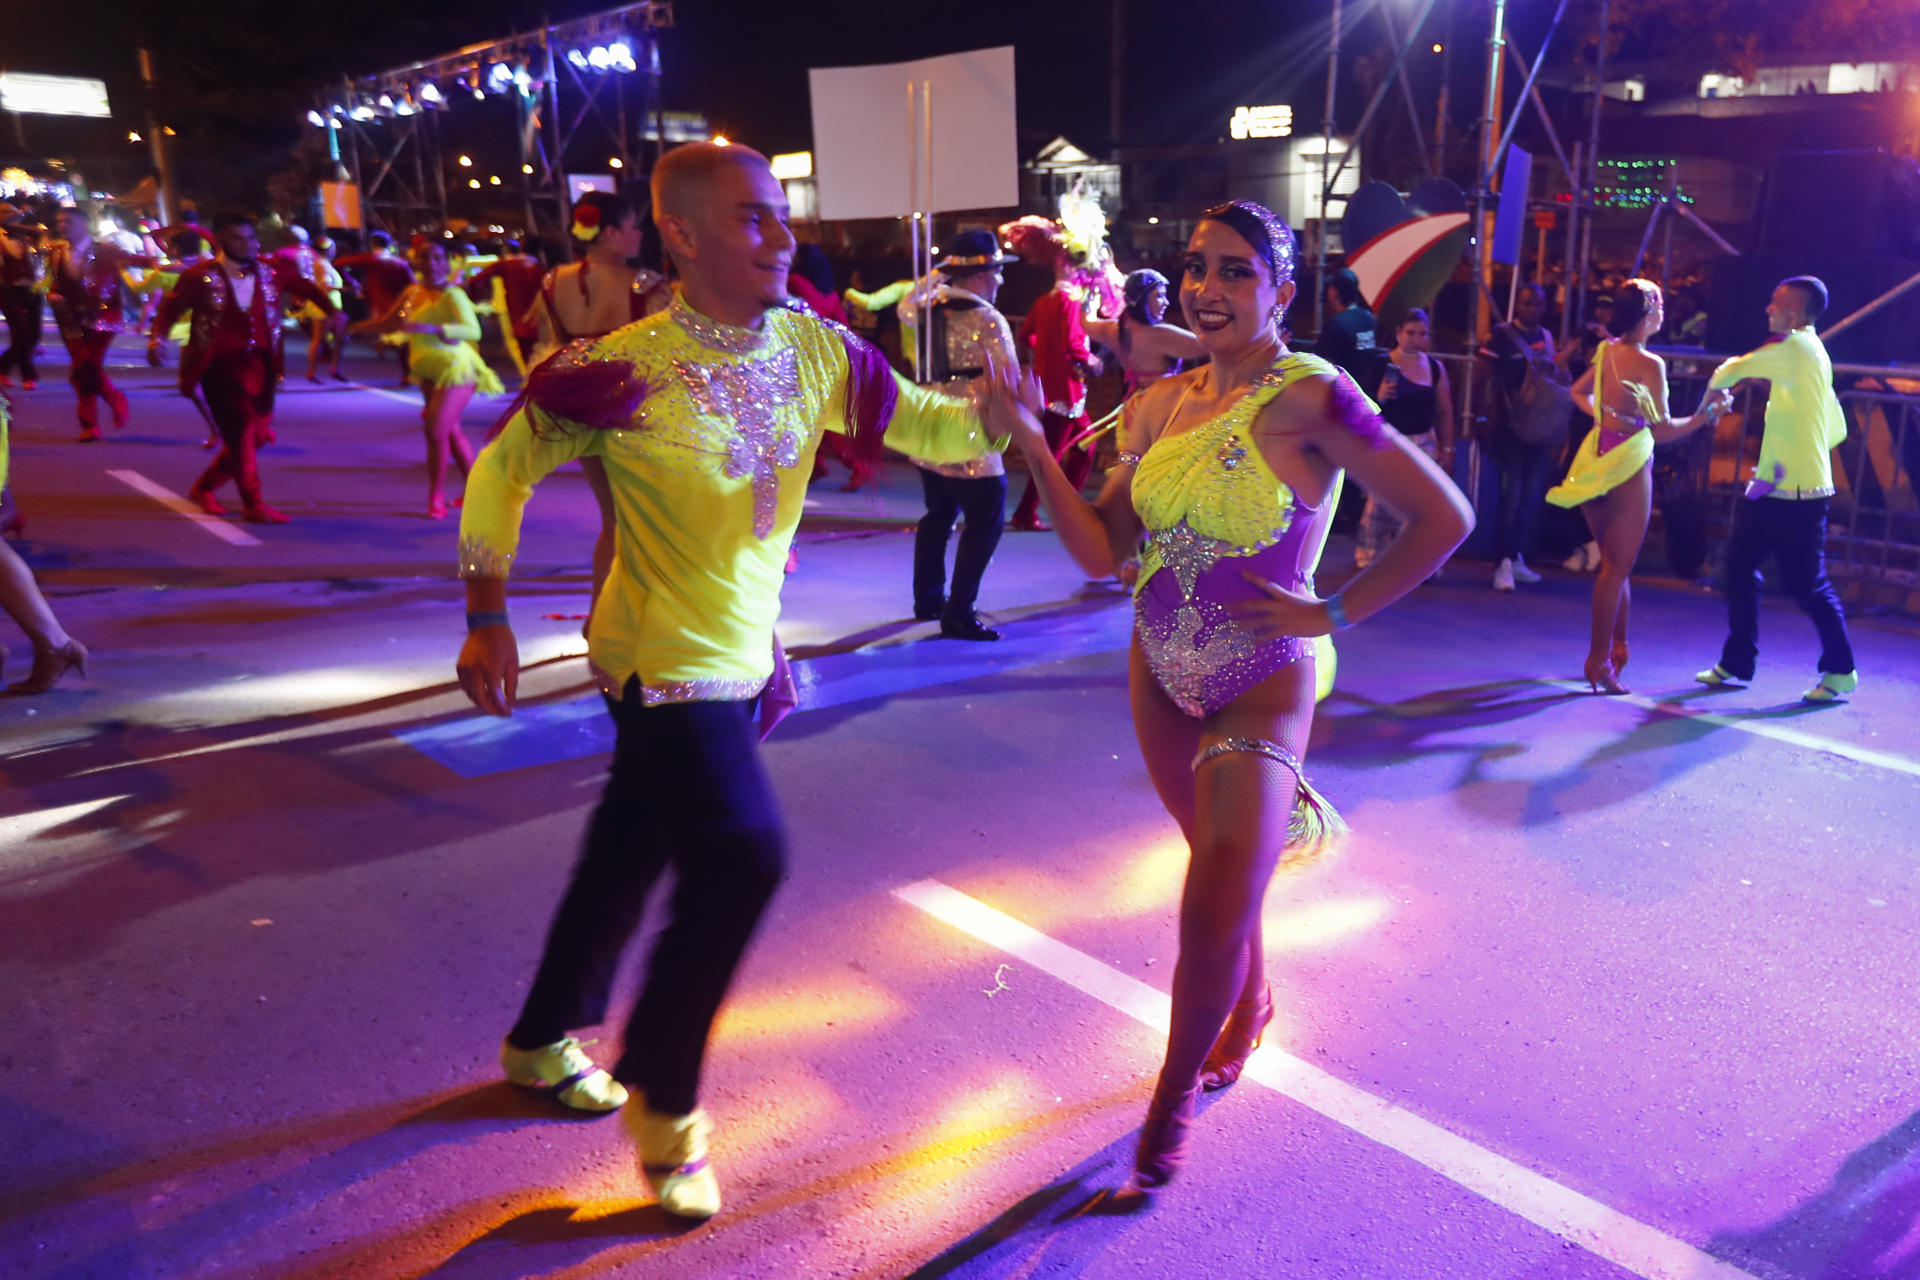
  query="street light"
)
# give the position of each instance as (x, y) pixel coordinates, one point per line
(474, 183)
(466, 162)
(720, 140)
(615, 163)
(526, 168)
(494, 179)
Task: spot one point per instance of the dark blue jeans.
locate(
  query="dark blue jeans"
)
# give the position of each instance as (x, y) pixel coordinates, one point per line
(686, 790)
(1523, 483)
(1794, 532)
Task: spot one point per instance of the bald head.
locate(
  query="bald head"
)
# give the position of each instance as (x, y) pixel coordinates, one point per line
(686, 177)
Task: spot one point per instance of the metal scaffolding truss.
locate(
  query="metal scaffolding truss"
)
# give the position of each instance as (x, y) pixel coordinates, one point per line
(384, 128)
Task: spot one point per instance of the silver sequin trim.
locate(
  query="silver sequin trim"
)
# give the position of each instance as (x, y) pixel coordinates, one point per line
(1256, 746)
(751, 394)
(1128, 458)
(711, 333)
(480, 559)
(706, 689)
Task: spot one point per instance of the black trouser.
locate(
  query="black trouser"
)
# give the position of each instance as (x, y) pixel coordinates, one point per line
(1523, 471)
(983, 501)
(23, 309)
(686, 789)
(1794, 531)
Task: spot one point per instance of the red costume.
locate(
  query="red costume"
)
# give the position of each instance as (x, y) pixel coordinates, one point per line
(1061, 357)
(383, 278)
(520, 276)
(235, 357)
(85, 289)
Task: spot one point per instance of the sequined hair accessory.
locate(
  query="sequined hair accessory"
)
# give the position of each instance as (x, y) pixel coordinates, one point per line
(1260, 227)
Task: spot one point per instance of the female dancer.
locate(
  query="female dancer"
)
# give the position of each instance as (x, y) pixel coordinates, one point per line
(1232, 470)
(1150, 349)
(1416, 399)
(1624, 391)
(590, 298)
(54, 651)
(442, 327)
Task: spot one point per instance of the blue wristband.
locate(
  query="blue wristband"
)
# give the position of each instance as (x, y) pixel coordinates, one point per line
(492, 618)
(1337, 612)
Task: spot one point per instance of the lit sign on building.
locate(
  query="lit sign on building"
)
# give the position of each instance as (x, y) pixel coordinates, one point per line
(53, 95)
(1261, 122)
(792, 164)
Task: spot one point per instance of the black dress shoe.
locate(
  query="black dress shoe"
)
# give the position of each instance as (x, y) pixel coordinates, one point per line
(929, 612)
(966, 628)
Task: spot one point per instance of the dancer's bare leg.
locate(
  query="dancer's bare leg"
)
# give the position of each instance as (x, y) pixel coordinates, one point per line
(1235, 813)
(1618, 522)
(436, 456)
(21, 598)
(453, 403)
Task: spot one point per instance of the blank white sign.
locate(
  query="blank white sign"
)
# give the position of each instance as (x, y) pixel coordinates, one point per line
(862, 153)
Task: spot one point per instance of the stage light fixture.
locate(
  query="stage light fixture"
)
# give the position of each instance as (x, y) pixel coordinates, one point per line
(466, 162)
(315, 119)
(577, 58)
(598, 58)
(430, 94)
(616, 163)
(362, 113)
(493, 179)
(620, 54)
(526, 168)
(474, 183)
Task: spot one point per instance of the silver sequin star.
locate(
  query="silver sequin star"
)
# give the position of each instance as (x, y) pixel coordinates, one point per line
(751, 394)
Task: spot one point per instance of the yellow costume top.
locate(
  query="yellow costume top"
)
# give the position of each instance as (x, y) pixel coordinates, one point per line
(1804, 423)
(454, 361)
(1607, 458)
(707, 433)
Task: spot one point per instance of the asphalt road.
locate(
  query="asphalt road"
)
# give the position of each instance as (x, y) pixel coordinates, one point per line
(1599, 987)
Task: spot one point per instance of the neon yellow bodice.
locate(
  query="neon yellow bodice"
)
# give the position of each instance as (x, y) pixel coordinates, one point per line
(708, 481)
(1213, 477)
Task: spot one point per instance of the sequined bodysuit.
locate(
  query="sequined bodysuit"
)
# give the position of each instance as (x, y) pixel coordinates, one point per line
(1213, 509)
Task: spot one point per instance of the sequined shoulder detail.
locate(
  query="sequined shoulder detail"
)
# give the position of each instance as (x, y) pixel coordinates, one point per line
(1212, 480)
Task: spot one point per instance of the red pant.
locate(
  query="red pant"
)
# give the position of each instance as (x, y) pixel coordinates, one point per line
(1076, 462)
(239, 391)
(87, 348)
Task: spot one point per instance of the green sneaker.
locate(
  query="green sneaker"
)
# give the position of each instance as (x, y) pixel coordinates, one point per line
(564, 1071)
(673, 1158)
(1833, 686)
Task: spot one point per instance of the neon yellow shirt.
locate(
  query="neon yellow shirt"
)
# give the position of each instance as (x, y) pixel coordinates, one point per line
(708, 479)
(1804, 423)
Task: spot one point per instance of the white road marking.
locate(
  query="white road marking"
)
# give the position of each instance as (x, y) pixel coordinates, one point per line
(1627, 1242)
(1759, 728)
(167, 498)
(405, 397)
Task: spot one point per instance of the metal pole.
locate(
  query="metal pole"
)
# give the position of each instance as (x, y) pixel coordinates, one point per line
(1538, 59)
(157, 145)
(440, 173)
(1116, 77)
(559, 165)
(1440, 110)
(1326, 176)
(1569, 314)
(659, 108)
(1489, 135)
(1591, 194)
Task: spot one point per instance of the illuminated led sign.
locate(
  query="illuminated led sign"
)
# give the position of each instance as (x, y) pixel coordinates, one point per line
(53, 95)
(1261, 122)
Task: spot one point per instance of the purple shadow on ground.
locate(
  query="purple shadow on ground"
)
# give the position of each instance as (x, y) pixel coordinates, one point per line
(475, 746)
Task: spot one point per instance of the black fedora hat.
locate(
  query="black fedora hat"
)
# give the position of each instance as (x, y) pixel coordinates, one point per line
(974, 250)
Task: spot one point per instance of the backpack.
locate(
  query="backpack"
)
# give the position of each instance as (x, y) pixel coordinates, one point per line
(1538, 413)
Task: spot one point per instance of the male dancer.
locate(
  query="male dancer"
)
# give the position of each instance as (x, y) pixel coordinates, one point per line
(513, 282)
(966, 331)
(1784, 510)
(83, 284)
(383, 275)
(706, 416)
(1061, 356)
(189, 251)
(234, 355)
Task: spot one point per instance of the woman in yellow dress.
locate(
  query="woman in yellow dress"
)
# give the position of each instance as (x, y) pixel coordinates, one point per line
(442, 329)
(1624, 391)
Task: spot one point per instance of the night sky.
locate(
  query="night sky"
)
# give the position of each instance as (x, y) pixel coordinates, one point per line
(241, 87)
